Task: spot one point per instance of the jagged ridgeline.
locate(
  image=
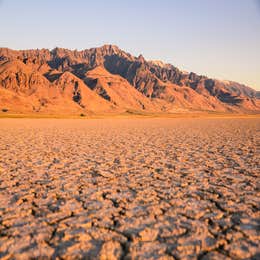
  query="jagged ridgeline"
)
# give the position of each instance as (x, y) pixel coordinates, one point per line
(109, 80)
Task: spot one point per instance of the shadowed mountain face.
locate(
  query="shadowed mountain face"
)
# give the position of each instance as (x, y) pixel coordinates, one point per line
(107, 79)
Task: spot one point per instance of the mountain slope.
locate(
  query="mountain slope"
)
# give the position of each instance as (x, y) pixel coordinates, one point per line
(107, 79)
(73, 89)
(118, 90)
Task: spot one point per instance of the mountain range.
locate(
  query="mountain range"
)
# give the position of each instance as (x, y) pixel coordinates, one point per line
(110, 80)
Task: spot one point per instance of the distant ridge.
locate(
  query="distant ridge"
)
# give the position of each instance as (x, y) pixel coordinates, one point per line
(110, 80)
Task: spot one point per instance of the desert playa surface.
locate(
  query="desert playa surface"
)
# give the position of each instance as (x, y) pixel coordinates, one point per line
(176, 188)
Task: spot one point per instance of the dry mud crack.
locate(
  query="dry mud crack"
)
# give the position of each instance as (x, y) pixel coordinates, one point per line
(129, 189)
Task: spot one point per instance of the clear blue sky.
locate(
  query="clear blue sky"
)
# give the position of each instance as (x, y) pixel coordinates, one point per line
(217, 38)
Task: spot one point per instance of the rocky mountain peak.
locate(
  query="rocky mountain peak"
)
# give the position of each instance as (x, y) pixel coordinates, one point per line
(141, 58)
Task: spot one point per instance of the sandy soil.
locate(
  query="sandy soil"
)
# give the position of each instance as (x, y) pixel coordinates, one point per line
(129, 188)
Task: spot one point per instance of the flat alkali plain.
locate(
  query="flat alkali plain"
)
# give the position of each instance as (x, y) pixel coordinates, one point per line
(129, 188)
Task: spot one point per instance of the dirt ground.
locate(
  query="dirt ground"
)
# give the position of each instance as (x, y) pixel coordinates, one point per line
(178, 188)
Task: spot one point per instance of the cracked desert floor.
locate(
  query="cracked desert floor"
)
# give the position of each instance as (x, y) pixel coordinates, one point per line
(130, 188)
